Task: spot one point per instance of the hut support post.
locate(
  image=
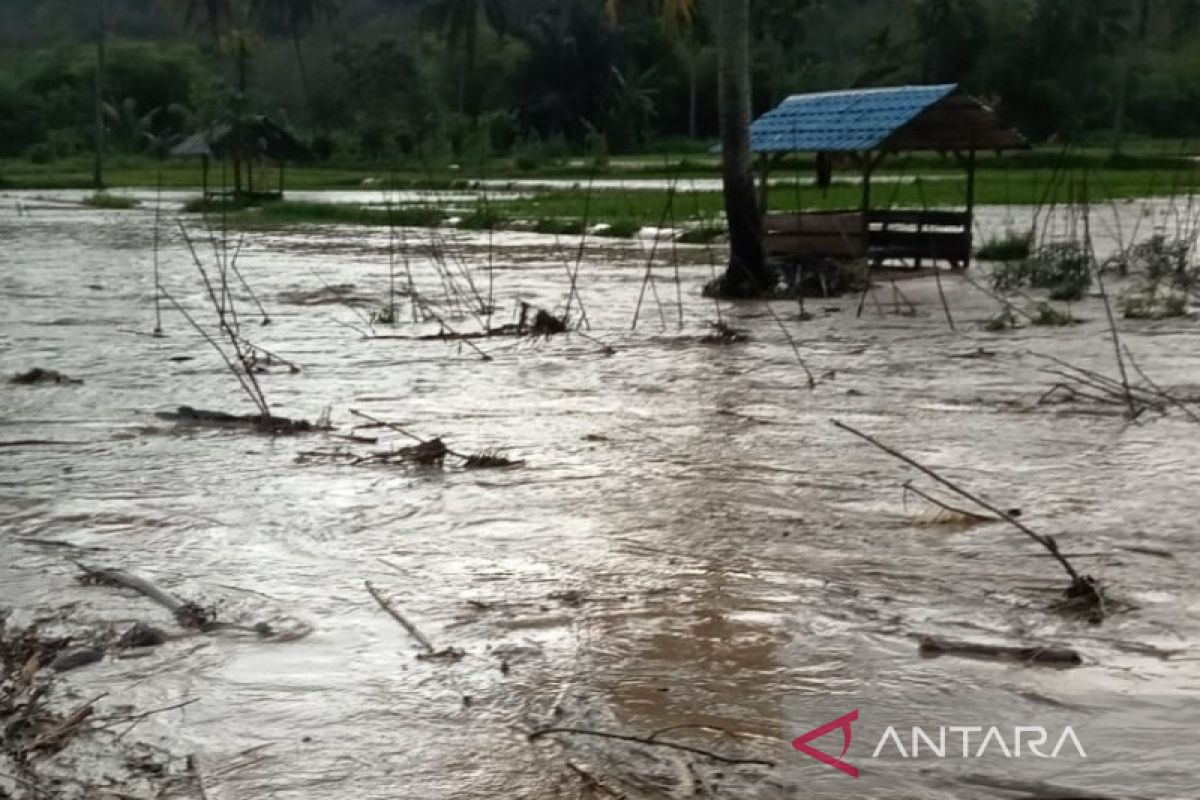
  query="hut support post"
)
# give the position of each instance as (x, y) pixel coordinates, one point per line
(764, 186)
(204, 176)
(869, 164)
(970, 207)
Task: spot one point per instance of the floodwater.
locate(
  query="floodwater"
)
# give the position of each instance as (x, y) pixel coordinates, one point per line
(690, 542)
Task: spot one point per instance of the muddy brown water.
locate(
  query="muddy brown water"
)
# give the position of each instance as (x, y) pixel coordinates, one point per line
(691, 541)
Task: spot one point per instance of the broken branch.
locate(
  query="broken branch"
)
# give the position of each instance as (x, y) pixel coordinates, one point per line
(652, 743)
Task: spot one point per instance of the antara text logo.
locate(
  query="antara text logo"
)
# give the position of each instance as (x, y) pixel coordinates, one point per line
(944, 742)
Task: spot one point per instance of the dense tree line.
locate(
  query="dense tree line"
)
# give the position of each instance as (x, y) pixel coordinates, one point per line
(438, 80)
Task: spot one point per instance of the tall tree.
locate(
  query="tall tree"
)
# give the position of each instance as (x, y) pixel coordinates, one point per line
(217, 15)
(1133, 52)
(460, 22)
(101, 41)
(297, 18)
(747, 273)
(225, 20)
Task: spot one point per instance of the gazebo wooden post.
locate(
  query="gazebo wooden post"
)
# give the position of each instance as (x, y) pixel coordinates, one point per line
(764, 177)
(865, 225)
(204, 176)
(866, 196)
(970, 206)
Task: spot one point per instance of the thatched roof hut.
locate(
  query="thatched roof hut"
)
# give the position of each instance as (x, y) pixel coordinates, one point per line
(247, 141)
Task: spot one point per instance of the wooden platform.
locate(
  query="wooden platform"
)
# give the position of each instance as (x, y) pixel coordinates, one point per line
(896, 238)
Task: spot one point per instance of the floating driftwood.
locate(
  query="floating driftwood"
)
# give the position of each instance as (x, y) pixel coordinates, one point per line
(722, 333)
(426, 452)
(946, 513)
(269, 424)
(1084, 593)
(449, 654)
(188, 615)
(38, 375)
(652, 741)
(337, 294)
(1049, 655)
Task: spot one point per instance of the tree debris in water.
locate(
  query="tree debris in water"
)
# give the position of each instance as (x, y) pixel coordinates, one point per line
(338, 295)
(37, 375)
(652, 741)
(45, 741)
(1084, 595)
(427, 452)
(946, 514)
(1076, 384)
(189, 615)
(447, 655)
(724, 334)
(257, 422)
(1049, 655)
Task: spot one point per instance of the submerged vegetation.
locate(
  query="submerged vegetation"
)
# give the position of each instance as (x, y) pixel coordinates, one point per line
(1012, 246)
(1063, 268)
(113, 202)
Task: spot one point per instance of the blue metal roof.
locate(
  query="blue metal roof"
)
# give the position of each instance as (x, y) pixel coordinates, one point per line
(849, 121)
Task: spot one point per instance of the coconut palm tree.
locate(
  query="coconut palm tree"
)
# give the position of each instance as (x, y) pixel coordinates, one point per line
(216, 14)
(101, 41)
(298, 17)
(747, 272)
(460, 22)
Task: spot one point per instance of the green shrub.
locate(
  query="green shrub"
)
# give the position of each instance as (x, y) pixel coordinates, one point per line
(1004, 321)
(40, 153)
(1046, 315)
(620, 229)
(1013, 246)
(483, 218)
(384, 316)
(1158, 260)
(1064, 268)
(597, 148)
(560, 227)
(704, 234)
(110, 201)
(1155, 304)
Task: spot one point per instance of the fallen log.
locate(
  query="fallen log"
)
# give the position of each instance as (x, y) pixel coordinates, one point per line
(1055, 656)
(652, 742)
(189, 615)
(271, 424)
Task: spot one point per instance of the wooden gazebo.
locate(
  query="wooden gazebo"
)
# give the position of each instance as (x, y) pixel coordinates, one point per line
(863, 127)
(246, 143)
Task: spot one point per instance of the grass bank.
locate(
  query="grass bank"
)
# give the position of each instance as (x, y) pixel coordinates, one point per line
(622, 212)
(1143, 167)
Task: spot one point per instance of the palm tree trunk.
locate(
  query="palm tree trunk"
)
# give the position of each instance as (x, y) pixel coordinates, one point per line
(101, 35)
(302, 67)
(747, 271)
(470, 55)
(693, 91)
(1125, 70)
